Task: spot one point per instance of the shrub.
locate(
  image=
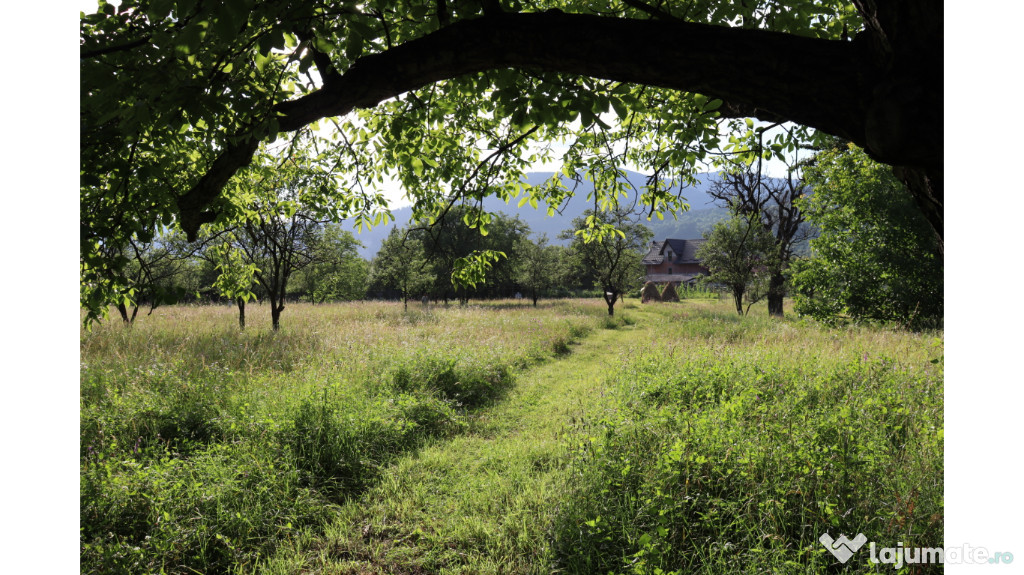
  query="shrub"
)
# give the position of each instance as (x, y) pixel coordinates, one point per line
(466, 381)
(342, 451)
(725, 466)
(226, 506)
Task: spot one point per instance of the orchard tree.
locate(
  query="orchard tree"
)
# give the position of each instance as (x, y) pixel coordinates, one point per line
(282, 208)
(451, 240)
(770, 202)
(336, 272)
(612, 257)
(537, 265)
(401, 264)
(236, 276)
(875, 258)
(453, 98)
(739, 254)
(153, 272)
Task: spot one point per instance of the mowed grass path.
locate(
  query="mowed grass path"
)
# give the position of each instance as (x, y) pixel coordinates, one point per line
(483, 501)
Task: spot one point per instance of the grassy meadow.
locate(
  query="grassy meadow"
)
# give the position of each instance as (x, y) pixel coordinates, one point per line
(503, 438)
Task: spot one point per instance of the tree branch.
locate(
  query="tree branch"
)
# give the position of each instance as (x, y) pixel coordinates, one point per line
(648, 9)
(818, 83)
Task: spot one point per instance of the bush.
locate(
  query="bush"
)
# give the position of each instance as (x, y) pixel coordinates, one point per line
(726, 466)
(467, 381)
(343, 449)
(226, 506)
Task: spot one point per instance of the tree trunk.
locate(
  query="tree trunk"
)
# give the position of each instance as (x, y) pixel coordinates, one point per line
(276, 307)
(776, 292)
(610, 300)
(241, 313)
(123, 310)
(124, 313)
(534, 298)
(737, 296)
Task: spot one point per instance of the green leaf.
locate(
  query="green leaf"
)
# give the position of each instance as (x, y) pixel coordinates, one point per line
(620, 108)
(324, 45)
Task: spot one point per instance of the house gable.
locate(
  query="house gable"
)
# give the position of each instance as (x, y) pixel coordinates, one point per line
(674, 260)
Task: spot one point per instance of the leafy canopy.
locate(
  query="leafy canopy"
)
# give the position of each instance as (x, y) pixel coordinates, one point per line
(177, 97)
(739, 254)
(876, 258)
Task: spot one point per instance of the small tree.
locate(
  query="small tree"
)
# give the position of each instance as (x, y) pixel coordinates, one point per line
(336, 272)
(152, 273)
(236, 278)
(738, 253)
(536, 265)
(401, 265)
(610, 247)
(771, 203)
(283, 203)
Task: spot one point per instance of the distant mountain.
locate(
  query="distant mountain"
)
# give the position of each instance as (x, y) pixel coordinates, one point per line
(702, 215)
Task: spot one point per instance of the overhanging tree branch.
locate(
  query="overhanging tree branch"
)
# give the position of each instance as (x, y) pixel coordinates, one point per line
(827, 85)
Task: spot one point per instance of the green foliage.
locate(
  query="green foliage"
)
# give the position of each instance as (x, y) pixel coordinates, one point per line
(463, 381)
(401, 264)
(539, 266)
(609, 248)
(712, 464)
(237, 276)
(739, 254)
(463, 257)
(877, 258)
(341, 449)
(168, 88)
(222, 508)
(336, 272)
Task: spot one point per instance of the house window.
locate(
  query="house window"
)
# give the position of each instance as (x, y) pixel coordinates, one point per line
(669, 271)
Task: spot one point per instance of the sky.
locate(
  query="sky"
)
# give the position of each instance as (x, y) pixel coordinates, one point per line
(984, 388)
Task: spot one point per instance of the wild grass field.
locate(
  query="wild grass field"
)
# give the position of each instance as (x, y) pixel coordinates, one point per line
(503, 438)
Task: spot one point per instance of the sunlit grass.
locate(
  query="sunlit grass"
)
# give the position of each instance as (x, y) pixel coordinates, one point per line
(173, 406)
(501, 438)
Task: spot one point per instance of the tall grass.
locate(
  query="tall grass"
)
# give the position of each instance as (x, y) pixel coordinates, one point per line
(701, 442)
(730, 444)
(204, 449)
